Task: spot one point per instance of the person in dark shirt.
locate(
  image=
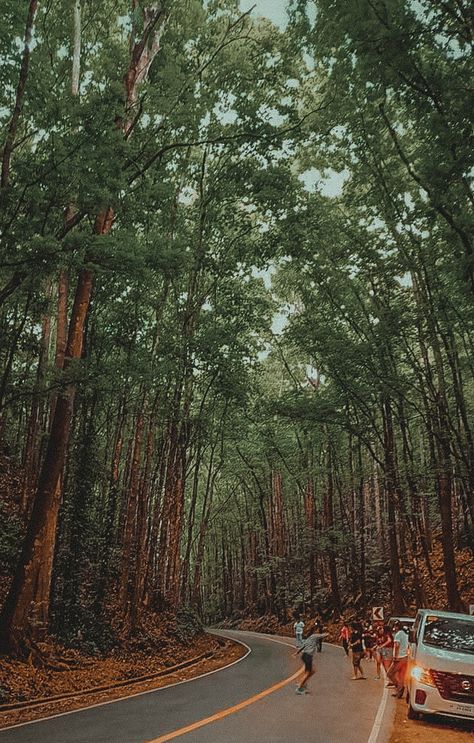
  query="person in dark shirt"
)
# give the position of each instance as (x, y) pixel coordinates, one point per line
(368, 636)
(357, 647)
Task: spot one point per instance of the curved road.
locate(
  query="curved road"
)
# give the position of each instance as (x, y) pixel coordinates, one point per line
(336, 711)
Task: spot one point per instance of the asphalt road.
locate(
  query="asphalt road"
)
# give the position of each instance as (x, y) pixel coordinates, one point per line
(337, 710)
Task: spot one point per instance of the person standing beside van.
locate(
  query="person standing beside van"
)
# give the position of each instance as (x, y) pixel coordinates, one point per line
(398, 669)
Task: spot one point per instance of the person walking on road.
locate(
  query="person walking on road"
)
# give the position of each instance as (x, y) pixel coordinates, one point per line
(398, 669)
(357, 647)
(299, 629)
(307, 650)
(345, 635)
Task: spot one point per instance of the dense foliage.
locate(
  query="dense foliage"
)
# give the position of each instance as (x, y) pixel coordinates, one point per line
(179, 180)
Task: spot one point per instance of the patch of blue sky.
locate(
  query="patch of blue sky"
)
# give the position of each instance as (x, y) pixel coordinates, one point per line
(409, 202)
(405, 280)
(279, 323)
(224, 111)
(275, 10)
(265, 274)
(124, 22)
(187, 195)
(274, 117)
(328, 183)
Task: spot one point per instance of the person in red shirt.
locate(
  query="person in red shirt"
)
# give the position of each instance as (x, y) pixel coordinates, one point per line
(345, 635)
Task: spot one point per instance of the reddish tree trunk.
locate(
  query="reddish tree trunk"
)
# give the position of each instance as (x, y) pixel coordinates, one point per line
(143, 529)
(25, 611)
(329, 523)
(29, 457)
(391, 490)
(130, 522)
(310, 520)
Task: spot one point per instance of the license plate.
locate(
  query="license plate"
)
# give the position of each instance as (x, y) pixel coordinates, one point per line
(465, 709)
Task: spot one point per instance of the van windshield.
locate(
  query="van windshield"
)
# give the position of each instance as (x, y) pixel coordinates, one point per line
(449, 634)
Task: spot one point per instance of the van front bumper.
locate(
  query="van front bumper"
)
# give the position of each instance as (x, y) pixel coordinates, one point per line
(434, 704)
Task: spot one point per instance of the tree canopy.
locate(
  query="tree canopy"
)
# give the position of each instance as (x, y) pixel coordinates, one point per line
(236, 307)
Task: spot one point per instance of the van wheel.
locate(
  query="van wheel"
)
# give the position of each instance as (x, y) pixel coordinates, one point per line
(412, 714)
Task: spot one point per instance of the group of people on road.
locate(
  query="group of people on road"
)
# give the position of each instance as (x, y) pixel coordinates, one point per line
(388, 647)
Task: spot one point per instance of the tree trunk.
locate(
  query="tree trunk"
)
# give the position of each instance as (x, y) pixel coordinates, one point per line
(25, 612)
(31, 446)
(329, 524)
(391, 490)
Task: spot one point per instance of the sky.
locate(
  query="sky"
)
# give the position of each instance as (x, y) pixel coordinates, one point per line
(329, 183)
(273, 9)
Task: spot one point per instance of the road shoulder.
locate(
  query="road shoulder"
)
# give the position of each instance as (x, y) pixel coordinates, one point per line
(429, 729)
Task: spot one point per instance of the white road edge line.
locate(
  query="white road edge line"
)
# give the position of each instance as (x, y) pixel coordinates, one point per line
(131, 696)
(372, 739)
(374, 733)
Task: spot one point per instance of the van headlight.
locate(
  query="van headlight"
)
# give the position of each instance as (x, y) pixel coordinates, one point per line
(423, 675)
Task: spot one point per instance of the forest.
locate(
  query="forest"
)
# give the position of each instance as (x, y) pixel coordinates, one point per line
(236, 312)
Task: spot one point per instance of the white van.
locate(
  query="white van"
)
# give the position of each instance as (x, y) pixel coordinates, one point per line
(406, 622)
(441, 665)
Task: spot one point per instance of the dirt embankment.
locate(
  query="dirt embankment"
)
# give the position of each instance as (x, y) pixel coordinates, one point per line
(22, 681)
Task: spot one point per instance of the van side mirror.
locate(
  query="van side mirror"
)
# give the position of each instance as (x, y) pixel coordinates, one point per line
(412, 635)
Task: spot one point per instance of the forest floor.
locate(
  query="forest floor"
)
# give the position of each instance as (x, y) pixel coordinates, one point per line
(167, 639)
(23, 682)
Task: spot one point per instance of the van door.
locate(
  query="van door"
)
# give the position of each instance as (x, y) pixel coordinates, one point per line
(415, 635)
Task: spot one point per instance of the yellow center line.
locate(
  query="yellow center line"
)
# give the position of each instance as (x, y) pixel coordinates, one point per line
(224, 712)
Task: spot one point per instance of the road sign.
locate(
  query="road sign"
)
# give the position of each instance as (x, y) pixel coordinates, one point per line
(377, 613)
(471, 609)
